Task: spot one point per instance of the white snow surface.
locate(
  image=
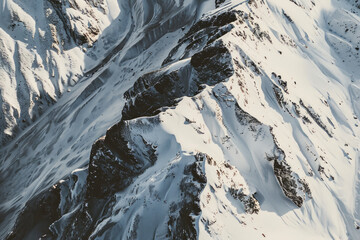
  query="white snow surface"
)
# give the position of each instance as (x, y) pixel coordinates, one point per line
(39, 61)
(314, 47)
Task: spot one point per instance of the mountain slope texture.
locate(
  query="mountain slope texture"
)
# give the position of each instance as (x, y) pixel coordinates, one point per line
(180, 119)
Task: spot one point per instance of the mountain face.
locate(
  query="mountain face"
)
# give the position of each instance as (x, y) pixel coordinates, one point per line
(180, 119)
(42, 47)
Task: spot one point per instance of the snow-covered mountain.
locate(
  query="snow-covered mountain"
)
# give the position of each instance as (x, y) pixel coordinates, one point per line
(180, 119)
(42, 48)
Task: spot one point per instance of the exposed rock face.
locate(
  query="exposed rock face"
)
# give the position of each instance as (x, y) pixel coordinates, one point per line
(287, 182)
(316, 118)
(202, 34)
(210, 63)
(293, 187)
(37, 215)
(80, 18)
(160, 89)
(115, 161)
(44, 217)
(251, 205)
(182, 215)
(219, 2)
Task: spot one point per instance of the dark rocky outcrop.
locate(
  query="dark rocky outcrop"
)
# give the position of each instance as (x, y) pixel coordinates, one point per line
(213, 64)
(287, 182)
(316, 118)
(251, 205)
(202, 34)
(210, 64)
(181, 219)
(161, 89)
(57, 215)
(245, 118)
(219, 2)
(88, 32)
(116, 160)
(34, 221)
(279, 96)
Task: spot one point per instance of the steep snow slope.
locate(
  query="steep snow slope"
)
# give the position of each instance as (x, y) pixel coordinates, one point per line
(58, 134)
(42, 54)
(242, 124)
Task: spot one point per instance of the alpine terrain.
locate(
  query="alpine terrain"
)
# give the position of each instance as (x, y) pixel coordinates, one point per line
(180, 119)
